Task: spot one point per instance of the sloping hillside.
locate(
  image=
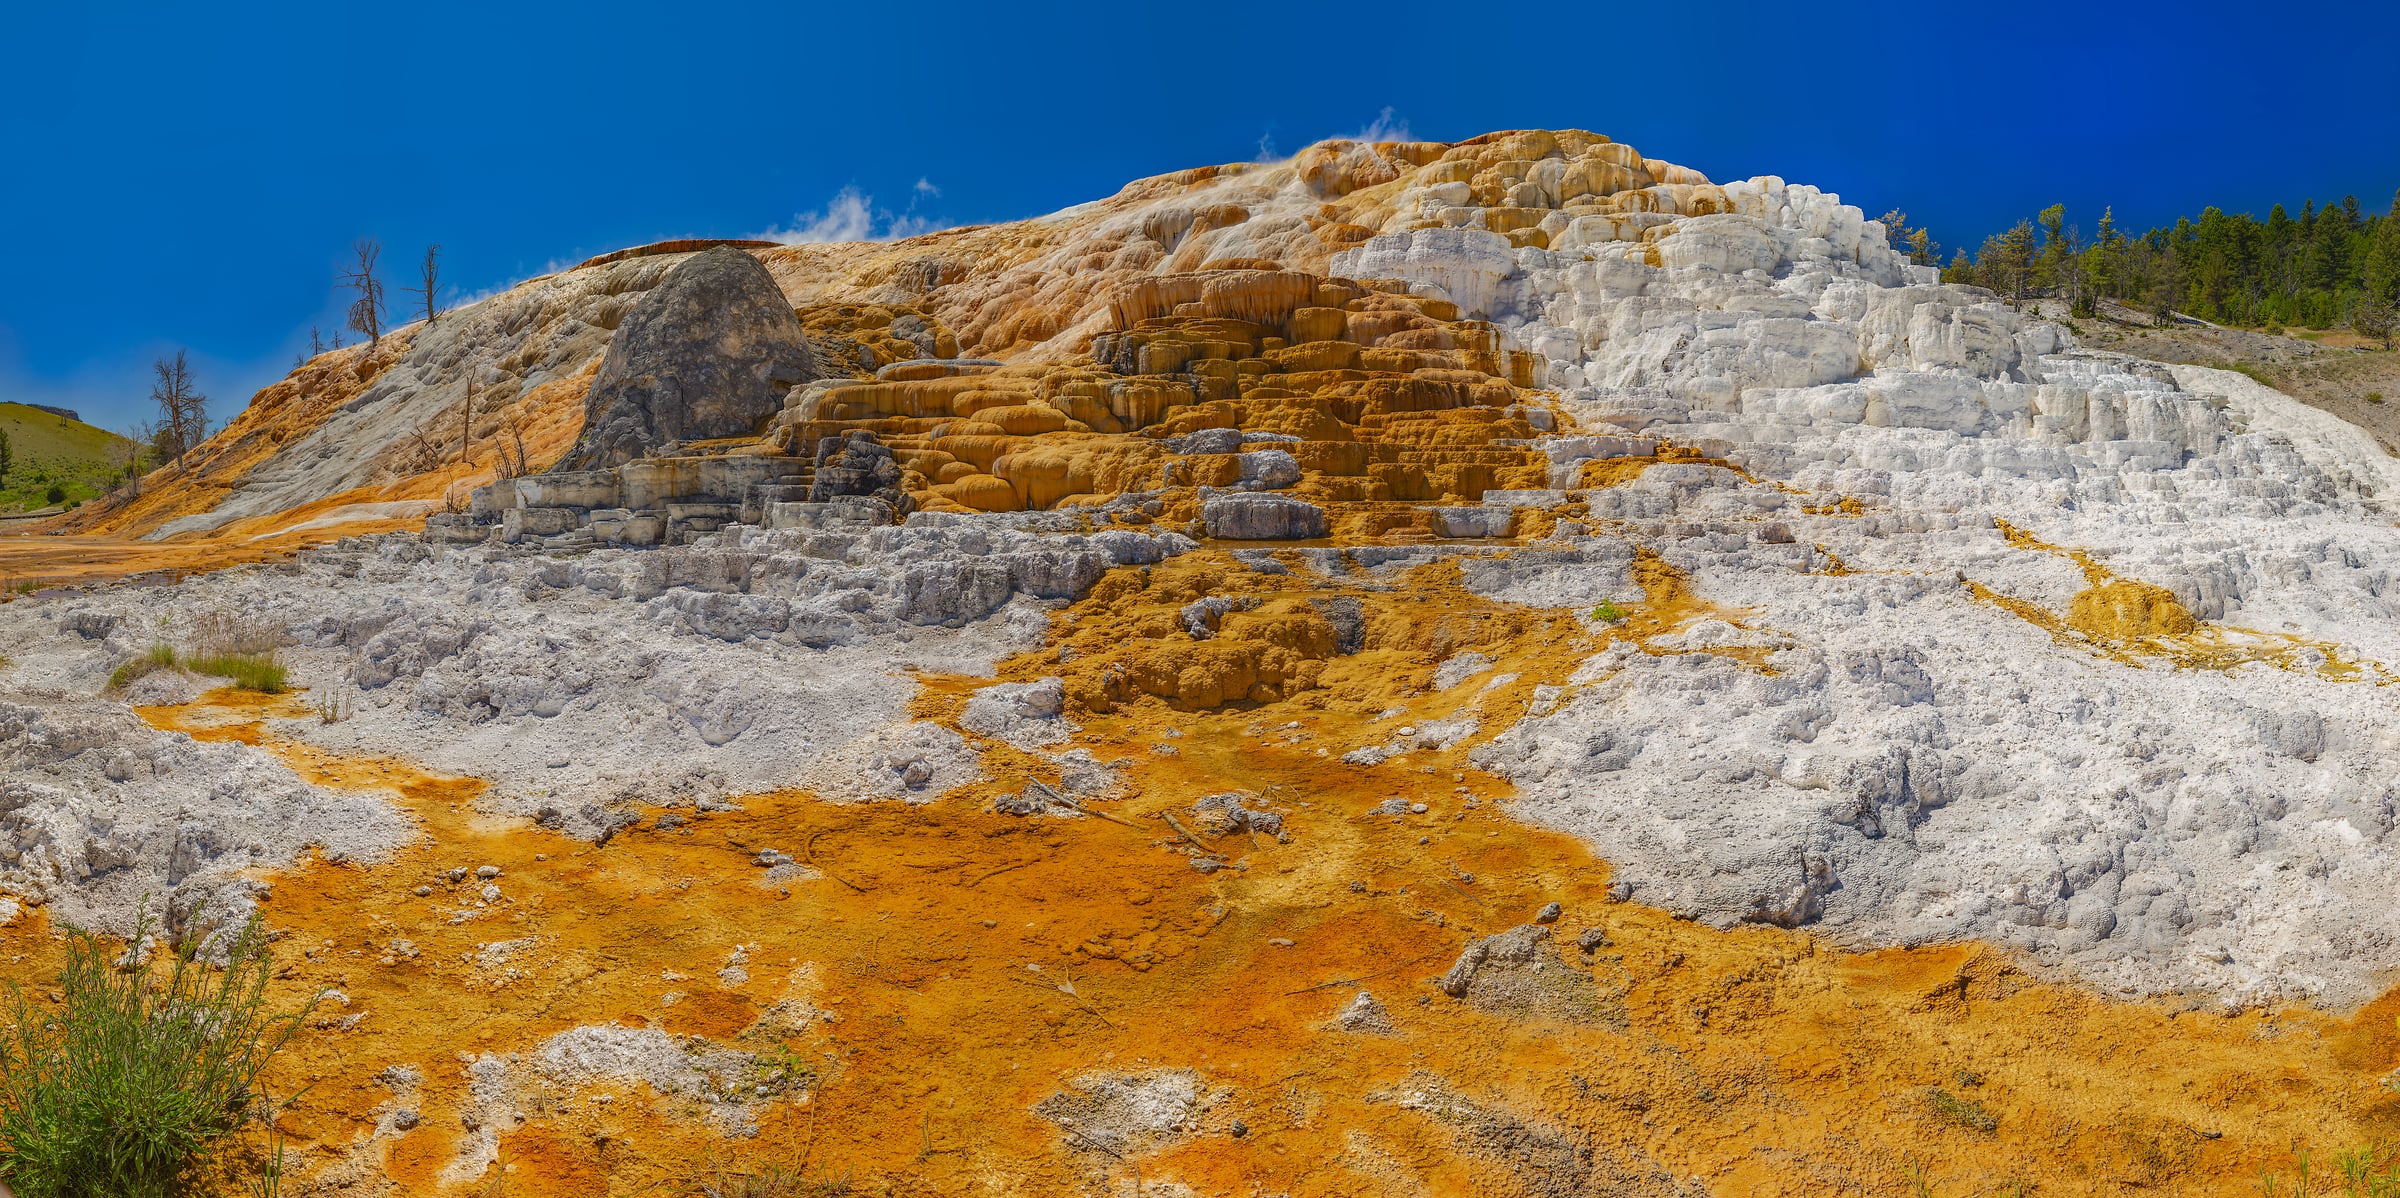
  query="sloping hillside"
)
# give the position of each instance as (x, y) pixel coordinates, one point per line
(50, 451)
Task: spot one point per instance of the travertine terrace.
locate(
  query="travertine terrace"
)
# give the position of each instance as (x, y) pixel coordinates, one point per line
(1503, 667)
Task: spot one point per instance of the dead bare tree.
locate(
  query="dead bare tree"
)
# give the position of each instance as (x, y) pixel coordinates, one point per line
(431, 288)
(510, 436)
(127, 454)
(182, 410)
(366, 312)
(423, 453)
(316, 346)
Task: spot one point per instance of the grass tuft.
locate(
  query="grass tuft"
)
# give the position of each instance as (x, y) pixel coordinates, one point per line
(771, 1181)
(1960, 1111)
(160, 657)
(2369, 1172)
(244, 650)
(134, 1081)
(249, 671)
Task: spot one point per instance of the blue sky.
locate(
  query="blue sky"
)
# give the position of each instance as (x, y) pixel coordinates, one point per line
(188, 176)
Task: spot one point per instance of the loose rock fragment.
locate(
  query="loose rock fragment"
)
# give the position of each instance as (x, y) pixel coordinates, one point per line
(1364, 1014)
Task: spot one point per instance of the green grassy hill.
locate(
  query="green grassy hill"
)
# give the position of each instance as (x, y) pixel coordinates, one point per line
(49, 451)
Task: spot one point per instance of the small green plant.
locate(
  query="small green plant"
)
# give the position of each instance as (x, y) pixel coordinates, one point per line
(779, 1070)
(135, 1080)
(268, 1183)
(1609, 613)
(2374, 397)
(160, 657)
(1961, 1111)
(2369, 1172)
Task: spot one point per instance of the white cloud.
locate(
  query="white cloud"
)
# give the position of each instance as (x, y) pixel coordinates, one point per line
(925, 187)
(852, 216)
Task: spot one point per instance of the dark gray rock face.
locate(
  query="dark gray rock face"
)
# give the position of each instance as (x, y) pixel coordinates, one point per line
(858, 464)
(710, 352)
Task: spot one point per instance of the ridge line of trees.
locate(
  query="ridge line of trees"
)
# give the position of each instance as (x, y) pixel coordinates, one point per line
(2332, 265)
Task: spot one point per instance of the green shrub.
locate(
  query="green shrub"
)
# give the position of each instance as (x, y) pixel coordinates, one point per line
(2374, 397)
(134, 1081)
(1608, 612)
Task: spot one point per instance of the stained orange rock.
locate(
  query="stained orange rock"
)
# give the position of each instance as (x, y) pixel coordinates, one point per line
(953, 968)
(2129, 621)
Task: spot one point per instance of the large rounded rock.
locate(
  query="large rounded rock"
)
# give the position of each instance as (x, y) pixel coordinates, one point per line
(710, 352)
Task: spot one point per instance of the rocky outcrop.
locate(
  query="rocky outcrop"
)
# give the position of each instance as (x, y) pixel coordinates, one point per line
(711, 352)
(1261, 518)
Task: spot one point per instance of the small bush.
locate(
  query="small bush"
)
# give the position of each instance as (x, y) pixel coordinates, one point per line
(2374, 397)
(1608, 613)
(133, 1082)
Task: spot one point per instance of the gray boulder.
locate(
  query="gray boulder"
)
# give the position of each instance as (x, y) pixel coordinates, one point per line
(710, 352)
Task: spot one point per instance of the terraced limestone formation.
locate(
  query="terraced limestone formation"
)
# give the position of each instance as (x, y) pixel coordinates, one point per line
(1503, 667)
